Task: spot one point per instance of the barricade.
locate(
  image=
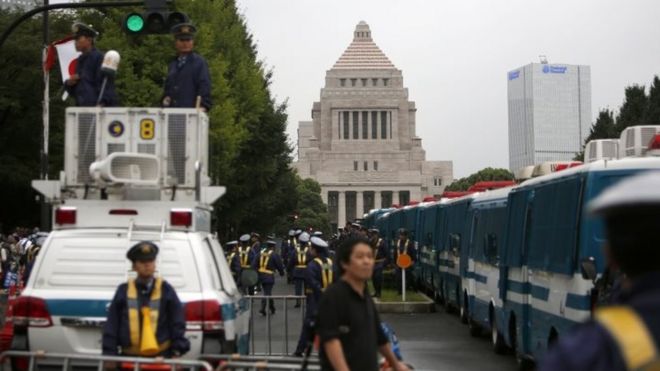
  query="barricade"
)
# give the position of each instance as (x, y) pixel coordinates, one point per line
(31, 360)
(242, 362)
(285, 299)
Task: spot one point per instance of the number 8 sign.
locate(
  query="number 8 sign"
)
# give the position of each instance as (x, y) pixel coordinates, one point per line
(147, 129)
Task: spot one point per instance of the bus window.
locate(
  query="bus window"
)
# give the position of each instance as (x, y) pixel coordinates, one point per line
(455, 243)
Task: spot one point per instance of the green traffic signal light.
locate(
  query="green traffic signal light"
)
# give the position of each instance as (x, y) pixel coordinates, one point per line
(134, 23)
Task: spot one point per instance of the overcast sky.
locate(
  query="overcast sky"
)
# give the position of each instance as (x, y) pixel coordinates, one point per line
(455, 56)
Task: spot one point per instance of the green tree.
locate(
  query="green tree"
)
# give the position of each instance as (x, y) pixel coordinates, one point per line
(652, 116)
(603, 128)
(312, 212)
(21, 124)
(249, 152)
(634, 108)
(482, 175)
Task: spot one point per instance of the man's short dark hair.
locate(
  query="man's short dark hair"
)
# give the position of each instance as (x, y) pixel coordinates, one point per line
(346, 247)
(632, 233)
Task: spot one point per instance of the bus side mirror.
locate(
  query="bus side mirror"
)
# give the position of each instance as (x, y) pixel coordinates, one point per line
(588, 269)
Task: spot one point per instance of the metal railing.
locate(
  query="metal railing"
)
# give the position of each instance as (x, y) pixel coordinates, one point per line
(65, 361)
(285, 299)
(242, 362)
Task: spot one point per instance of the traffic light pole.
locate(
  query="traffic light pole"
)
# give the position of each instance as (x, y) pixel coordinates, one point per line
(46, 8)
(43, 159)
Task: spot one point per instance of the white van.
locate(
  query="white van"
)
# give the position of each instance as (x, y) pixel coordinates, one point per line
(64, 304)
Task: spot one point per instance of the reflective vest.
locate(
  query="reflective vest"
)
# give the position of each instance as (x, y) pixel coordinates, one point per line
(302, 257)
(405, 247)
(634, 339)
(264, 259)
(245, 263)
(134, 317)
(231, 257)
(326, 272)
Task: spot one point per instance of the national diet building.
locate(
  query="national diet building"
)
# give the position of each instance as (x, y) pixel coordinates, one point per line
(361, 144)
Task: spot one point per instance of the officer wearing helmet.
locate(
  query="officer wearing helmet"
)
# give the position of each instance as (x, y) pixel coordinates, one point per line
(623, 336)
(233, 259)
(298, 264)
(85, 84)
(145, 296)
(267, 263)
(319, 274)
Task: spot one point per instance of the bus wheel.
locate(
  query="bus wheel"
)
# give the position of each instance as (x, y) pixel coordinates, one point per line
(499, 346)
(463, 311)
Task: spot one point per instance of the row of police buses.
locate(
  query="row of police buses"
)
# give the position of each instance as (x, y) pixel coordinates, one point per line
(521, 261)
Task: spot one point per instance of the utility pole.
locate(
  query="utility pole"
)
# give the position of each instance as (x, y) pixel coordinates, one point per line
(45, 208)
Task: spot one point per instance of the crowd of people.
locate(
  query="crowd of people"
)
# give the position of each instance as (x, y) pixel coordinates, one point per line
(312, 264)
(18, 251)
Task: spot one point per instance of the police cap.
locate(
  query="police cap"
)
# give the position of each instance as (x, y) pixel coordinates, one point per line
(232, 243)
(142, 251)
(318, 242)
(81, 29)
(304, 237)
(374, 230)
(271, 243)
(298, 232)
(245, 238)
(184, 31)
(403, 231)
(317, 234)
(292, 233)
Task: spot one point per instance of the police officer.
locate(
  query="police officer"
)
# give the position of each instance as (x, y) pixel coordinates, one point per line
(233, 259)
(404, 246)
(85, 84)
(380, 254)
(188, 74)
(150, 296)
(319, 274)
(287, 246)
(299, 263)
(246, 256)
(267, 262)
(624, 336)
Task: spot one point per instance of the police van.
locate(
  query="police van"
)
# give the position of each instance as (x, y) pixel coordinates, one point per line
(131, 174)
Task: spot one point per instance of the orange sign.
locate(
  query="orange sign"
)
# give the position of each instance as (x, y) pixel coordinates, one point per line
(404, 261)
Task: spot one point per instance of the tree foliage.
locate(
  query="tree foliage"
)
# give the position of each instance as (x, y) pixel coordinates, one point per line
(637, 108)
(249, 150)
(482, 175)
(634, 107)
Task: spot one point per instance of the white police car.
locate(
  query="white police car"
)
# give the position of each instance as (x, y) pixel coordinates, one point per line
(64, 304)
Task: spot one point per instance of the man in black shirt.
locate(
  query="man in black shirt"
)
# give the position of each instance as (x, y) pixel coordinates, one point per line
(348, 323)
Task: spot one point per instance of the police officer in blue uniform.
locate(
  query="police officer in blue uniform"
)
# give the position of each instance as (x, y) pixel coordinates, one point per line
(233, 259)
(188, 74)
(404, 246)
(298, 264)
(245, 256)
(319, 274)
(267, 263)
(287, 246)
(380, 254)
(123, 331)
(85, 84)
(624, 336)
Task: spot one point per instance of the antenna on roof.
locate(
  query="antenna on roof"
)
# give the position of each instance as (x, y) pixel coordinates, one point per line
(544, 59)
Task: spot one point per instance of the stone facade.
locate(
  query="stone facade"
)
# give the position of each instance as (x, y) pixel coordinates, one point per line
(361, 144)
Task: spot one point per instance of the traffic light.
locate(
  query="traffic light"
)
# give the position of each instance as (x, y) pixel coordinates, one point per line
(156, 19)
